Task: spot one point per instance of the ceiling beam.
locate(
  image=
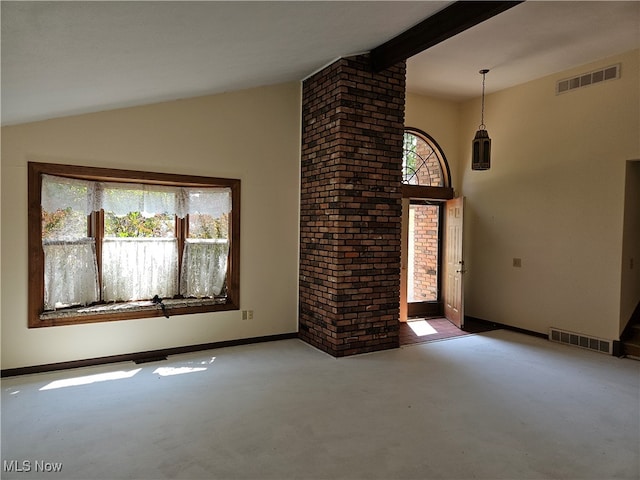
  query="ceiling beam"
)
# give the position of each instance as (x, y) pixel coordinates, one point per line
(448, 22)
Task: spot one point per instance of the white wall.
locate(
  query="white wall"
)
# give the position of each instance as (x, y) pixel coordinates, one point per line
(554, 197)
(253, 135)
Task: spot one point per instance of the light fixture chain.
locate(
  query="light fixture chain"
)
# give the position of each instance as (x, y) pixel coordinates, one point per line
(482, 116)
(482, 125)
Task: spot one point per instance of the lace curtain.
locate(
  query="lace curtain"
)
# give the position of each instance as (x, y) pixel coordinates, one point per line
(204, 267)
(122, 198)
(205, 201)
(70, 273)
(132, 268)
(139, 268)
(59, 193)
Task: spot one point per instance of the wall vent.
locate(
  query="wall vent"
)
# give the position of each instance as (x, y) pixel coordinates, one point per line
(611, 72)
(581, 341)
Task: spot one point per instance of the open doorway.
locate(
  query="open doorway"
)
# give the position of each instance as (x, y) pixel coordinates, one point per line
(423, 251)
(432, 266)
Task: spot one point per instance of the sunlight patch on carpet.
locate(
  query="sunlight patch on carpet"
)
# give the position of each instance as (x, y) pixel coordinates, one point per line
(421, 328)
(88, 379)
(168, 371)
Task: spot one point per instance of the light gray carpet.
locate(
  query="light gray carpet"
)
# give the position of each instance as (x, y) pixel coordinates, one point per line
(498, 405)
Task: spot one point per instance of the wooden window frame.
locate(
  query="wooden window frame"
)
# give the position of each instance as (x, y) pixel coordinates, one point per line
(36, 252)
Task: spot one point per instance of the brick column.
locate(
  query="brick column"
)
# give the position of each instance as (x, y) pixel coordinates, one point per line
(350, 226)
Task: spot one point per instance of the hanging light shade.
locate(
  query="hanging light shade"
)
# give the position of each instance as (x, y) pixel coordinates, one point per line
(481, 145)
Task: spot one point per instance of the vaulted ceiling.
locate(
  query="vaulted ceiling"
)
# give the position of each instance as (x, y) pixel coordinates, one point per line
(63, 58)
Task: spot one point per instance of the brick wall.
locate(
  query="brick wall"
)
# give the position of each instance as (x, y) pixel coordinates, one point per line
(424, 234)
(431, 171)
(350, 224)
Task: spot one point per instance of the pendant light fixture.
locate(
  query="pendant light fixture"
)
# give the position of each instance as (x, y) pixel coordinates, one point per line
(481, 146)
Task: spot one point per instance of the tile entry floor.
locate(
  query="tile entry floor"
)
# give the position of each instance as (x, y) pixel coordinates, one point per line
(422, 330)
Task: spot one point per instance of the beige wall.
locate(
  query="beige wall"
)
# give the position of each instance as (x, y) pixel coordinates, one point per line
(253, 135)
(440, 119)
(554, 197)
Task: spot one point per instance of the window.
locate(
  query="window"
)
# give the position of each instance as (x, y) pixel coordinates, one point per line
(423, 161)
(116, 244)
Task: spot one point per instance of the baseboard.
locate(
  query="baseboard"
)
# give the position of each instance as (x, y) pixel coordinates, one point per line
(141, 357)
(508, 327)
(617, 345)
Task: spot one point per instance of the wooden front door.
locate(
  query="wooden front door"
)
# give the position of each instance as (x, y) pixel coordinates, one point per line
(454, 263)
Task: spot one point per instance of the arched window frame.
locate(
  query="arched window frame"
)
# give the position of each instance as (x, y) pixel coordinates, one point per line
(442, 161)
(421, 191)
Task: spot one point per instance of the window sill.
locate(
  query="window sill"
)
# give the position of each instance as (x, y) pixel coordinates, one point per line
(133, 310)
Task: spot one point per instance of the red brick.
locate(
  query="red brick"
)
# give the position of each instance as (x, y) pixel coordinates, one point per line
(350, 207)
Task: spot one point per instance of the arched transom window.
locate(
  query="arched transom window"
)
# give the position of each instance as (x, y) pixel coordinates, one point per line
(423, 162)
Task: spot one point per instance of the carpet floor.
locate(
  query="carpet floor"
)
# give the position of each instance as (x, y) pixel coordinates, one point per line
(494, 405)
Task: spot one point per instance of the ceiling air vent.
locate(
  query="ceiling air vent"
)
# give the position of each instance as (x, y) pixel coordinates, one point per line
(582, 341)
(584, 80)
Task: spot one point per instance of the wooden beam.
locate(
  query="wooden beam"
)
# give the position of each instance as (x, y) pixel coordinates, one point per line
(428, 192)
(447, 23)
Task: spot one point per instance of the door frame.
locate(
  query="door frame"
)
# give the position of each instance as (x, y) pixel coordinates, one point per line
(436, 195)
